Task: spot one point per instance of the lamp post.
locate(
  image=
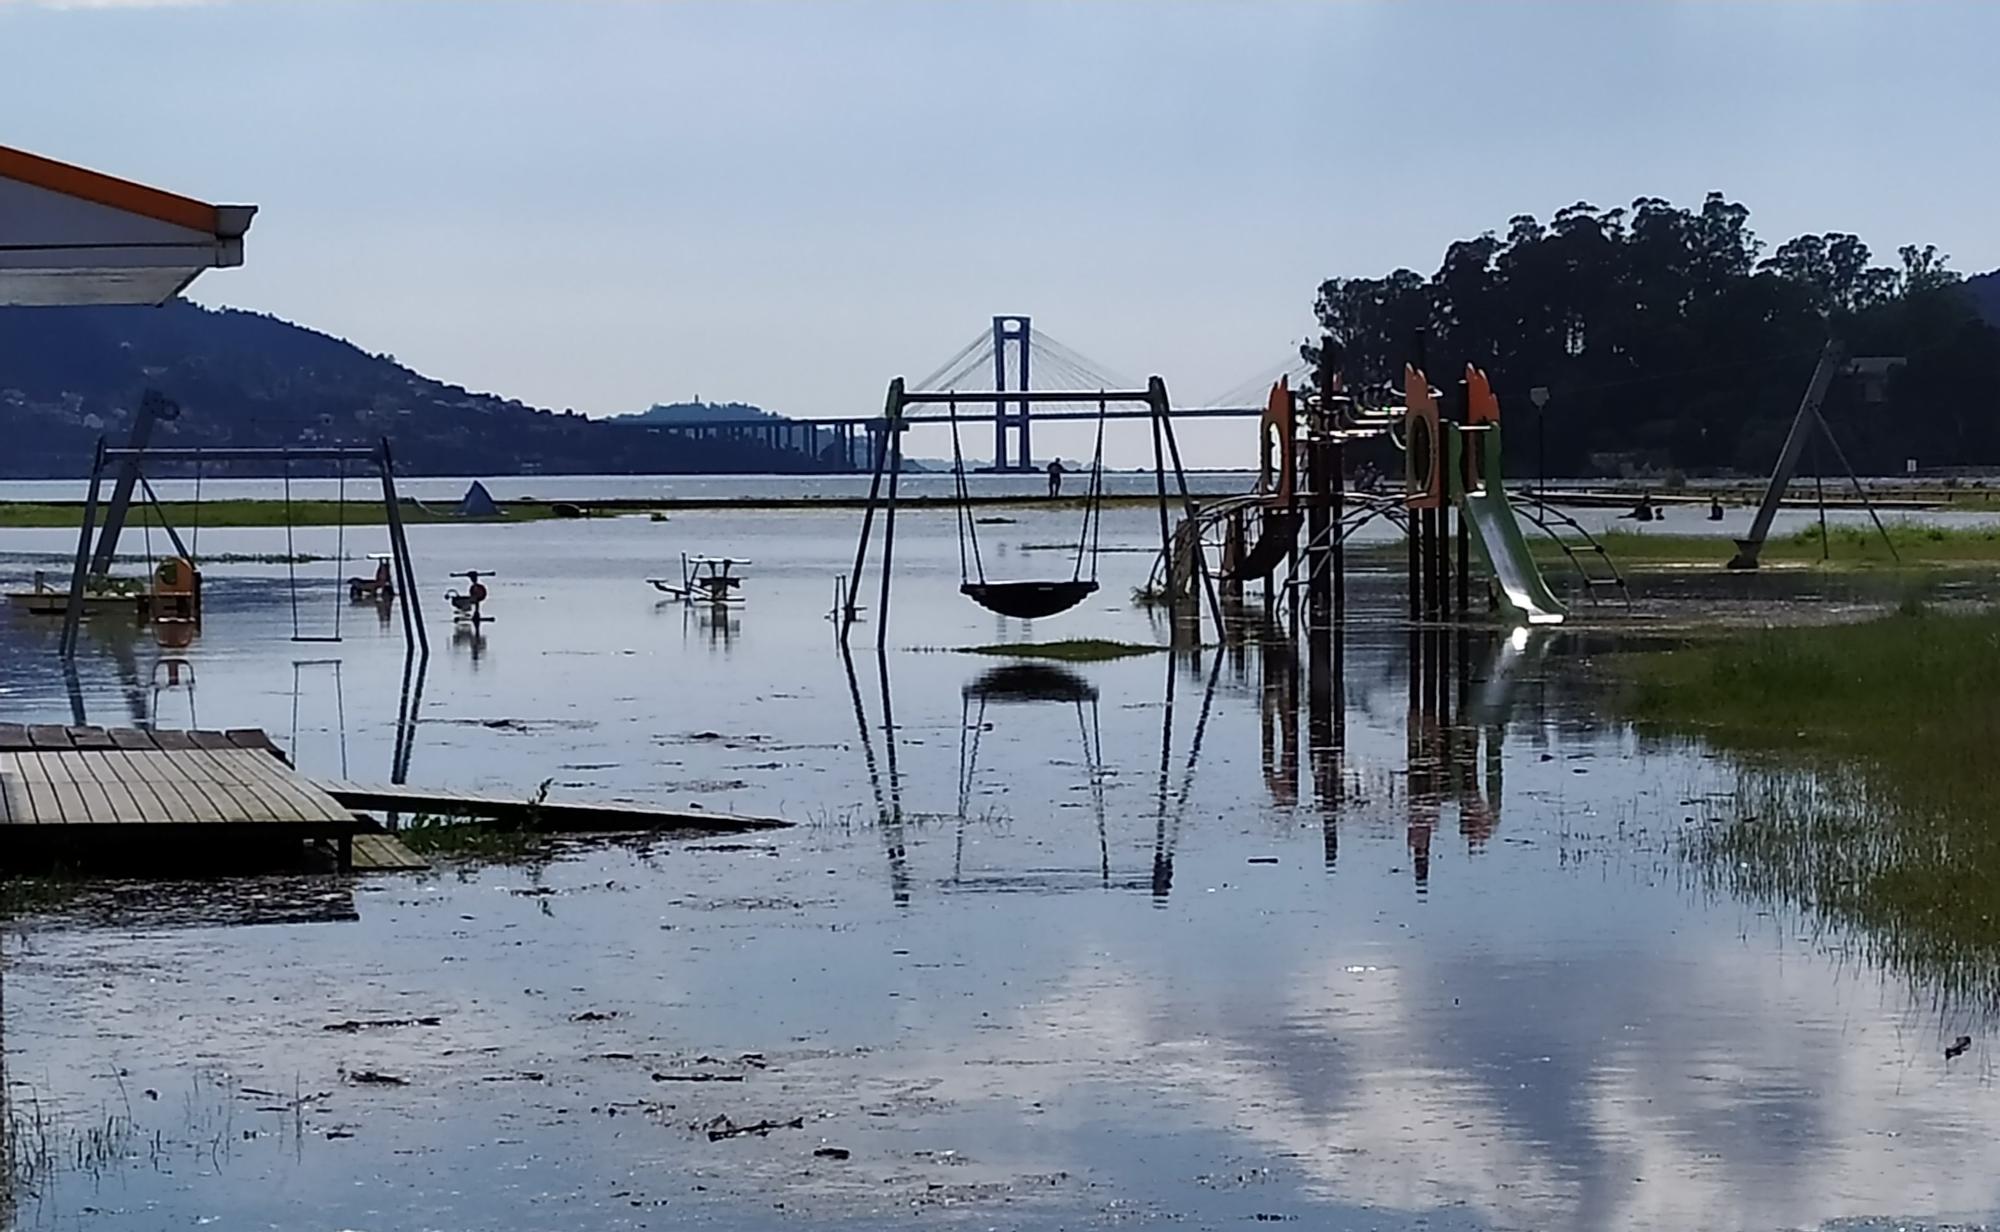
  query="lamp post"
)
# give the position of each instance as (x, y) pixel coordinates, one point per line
(1539, 395)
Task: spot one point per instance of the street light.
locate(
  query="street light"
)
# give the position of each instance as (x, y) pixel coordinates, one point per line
(1539, 395)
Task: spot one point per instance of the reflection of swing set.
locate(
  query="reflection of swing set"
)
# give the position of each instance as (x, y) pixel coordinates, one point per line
(1022, 684)
(1024, 599)
(1018, 683)
(175, 584)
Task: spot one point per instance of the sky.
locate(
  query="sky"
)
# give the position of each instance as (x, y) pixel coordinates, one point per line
(603, 205)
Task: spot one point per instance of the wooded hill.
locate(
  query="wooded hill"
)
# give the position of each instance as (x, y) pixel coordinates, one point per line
(1673, 338)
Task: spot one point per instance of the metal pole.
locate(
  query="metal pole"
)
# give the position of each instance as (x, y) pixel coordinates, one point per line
(1166, 537)
(399, 547)
(1748, 548)
(1859, 491)
(1338, 476)
(892, 410)
(1157, 387)
(152, 406)
(73, 613)
(893, 446)
(1319, 508)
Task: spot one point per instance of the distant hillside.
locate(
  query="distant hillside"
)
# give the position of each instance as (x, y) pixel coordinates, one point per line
(68, 375)
(695, 412)
(1985, 291)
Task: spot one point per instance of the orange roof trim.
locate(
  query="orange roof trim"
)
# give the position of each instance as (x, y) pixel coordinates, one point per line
(109, 190)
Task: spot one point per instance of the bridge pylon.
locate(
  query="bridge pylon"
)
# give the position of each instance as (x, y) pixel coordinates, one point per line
(1012, 335)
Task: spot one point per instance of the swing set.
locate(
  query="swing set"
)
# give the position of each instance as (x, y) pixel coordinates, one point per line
(1023, 599)
(176, 582)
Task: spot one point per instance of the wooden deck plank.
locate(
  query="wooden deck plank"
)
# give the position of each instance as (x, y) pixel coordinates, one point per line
(110, 771)
(246, 767)
(35, 785)
(63, 767)
(266, 800)
(142, 767)
(49, 736)
(172, 740)
(250, 738)
(129, 738)
(19, 810)
(206, 797)
(210, 739)
(90, 737)
(126, 807)
(385, 853)
(14, 799)
(13, 737)
(69, 801)
(274, 773)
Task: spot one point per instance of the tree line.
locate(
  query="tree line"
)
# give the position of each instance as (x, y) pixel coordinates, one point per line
(1669, 338)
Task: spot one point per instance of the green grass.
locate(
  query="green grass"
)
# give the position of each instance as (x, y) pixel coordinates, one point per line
(1867, 776)
(1848, 547)
(452, 837)
(359, 512)
(1069, 650)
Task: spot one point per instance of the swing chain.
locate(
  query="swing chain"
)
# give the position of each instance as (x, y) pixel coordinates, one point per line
(968, 526)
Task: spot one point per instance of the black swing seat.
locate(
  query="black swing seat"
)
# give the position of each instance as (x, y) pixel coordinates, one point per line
(1028, 600)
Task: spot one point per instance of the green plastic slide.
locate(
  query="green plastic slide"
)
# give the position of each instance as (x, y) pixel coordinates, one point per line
(1523, 592)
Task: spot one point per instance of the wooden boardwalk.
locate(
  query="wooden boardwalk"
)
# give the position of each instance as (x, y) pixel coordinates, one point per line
(555, 814)
(91, 793)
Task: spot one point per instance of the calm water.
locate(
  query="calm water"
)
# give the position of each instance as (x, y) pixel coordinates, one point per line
(1193, 941)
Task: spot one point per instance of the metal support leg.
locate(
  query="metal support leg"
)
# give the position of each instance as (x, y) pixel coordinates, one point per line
(73, 613)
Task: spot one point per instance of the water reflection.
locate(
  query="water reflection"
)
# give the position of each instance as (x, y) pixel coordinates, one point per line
(470, 636)
(1560, 1032)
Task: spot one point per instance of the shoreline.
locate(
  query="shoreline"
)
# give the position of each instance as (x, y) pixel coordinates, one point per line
(263, 511)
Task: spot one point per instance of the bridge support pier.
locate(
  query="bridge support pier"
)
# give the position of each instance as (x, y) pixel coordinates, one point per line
(1017, 334)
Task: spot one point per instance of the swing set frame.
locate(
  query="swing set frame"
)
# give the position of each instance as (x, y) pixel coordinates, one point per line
(888, 461)
(132, 460)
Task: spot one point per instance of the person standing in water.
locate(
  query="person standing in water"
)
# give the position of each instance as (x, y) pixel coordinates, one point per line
(1055, 477)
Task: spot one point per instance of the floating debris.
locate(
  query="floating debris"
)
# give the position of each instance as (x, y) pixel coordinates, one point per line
(377, 1024)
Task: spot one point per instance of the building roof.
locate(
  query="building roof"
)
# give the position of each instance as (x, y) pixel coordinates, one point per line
(69, 235)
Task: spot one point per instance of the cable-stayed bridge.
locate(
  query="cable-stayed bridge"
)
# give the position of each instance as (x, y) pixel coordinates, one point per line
(1011, 357)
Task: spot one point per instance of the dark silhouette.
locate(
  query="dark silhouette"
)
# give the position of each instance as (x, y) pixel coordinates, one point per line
(68, 375)
(1055, 477)
(1672, 338)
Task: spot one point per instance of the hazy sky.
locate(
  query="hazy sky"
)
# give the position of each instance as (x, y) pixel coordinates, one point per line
(603, 205)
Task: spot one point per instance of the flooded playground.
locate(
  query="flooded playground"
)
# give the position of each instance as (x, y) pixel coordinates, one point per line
(1197, 938)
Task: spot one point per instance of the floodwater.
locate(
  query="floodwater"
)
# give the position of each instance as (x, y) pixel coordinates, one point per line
(1197, 940)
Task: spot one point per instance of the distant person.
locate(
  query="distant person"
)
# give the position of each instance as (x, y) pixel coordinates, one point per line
(1055, 477)
(1715, 508)
(1644, 511)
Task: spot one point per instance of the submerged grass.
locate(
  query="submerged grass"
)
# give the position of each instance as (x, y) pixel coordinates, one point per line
(1866, 779)
(1069, 650)
(456, 838)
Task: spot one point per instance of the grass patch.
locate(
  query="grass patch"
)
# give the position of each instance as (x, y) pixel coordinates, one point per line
(1069, 650)
(1866, 780)
(359, 512)
(1847, 547)
(457, 838)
